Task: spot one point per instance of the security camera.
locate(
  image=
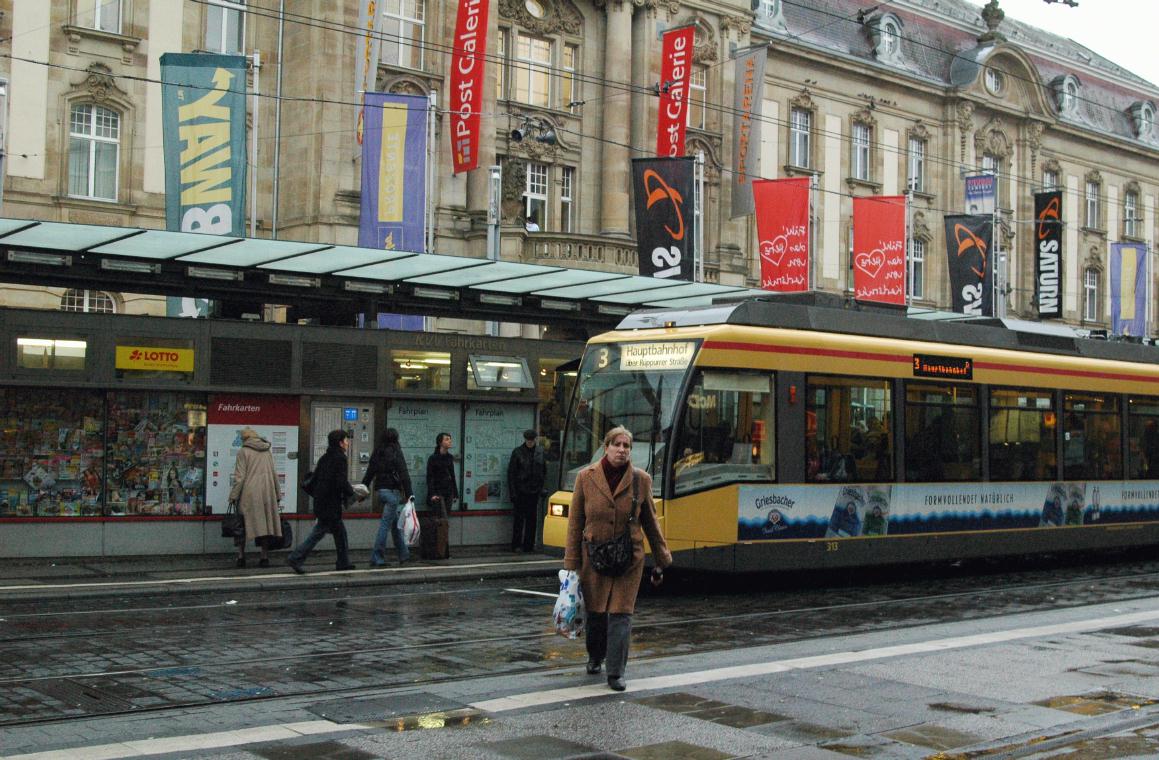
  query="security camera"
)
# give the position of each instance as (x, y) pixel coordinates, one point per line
(517, 135)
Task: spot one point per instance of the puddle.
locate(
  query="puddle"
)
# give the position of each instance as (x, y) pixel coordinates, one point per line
(669, 750)
(428, 721)
(933, 736)
(710, 710)
(965, 709)
(1099, 703)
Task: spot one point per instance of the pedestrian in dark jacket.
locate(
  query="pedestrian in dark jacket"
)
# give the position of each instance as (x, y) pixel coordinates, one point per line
(332, 489)
(387, 473)
(526, 473)
(442, 486)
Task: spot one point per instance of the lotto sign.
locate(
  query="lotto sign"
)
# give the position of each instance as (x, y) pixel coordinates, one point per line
(150, 358)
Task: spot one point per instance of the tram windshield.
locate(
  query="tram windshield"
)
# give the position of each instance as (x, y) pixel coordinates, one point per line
(635, 385)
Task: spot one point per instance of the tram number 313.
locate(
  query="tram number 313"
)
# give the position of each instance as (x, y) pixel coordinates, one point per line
(831, 546)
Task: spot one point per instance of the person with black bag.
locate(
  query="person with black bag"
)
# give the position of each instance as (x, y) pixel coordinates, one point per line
(442, 493)
(611, 512)
(256, 493)
(387, 473)
(330, 489)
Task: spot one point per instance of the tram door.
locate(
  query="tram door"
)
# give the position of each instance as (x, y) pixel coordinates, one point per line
(357, 419)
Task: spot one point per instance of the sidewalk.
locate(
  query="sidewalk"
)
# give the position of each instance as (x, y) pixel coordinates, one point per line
(81, 577)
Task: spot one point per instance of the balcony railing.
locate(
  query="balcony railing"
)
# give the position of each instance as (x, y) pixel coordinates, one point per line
(581, 252)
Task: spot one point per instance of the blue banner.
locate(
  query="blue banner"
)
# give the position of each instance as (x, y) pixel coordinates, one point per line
(1128, 289)
(394, 172)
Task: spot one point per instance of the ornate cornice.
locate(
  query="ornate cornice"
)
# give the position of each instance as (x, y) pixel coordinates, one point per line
(559, 17)
(742, 25)
(803, 100)
(992, 139)
(864, 116)
(919, 131)
(100, 85)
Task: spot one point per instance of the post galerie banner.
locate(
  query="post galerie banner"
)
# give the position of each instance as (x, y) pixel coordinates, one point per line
(1128, 289)
(665, 218)
(394, 159)
(782, 214)
(468, 61)
(675, 70)
(879, 249)
(1048, 254)
(746, 127)
(968, 243)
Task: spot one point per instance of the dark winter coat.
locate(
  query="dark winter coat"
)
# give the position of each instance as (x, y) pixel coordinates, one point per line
(331, 484)
(441, 478)
(387, 469)
(526, 471)
(597, 515)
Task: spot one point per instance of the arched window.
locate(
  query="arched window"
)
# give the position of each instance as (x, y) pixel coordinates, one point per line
(94, 151)
(88, 301)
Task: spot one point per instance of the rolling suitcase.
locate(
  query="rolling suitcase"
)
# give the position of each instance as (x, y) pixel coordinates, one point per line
(434, 536)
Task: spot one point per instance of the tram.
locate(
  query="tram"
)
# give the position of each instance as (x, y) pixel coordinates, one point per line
(817, 432)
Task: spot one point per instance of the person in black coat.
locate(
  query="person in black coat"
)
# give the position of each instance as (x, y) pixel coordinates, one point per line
(387, 473)
(442, 486)
(332, 489)
(526, 473)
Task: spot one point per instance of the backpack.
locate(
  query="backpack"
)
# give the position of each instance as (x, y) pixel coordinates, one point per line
(308, 483)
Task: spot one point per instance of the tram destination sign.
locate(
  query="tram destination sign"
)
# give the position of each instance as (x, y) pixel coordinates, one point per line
(656, 356)
(946, 367)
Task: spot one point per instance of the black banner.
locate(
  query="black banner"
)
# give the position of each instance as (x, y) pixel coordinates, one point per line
(665, 218)
(968, 247)
(1048, 254)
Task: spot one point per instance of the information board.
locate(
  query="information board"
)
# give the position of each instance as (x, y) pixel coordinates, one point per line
(490, 433)
(417, 423)
(274, 418)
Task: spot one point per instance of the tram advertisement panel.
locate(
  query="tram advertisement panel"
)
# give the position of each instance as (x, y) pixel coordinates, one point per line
(849, 510)
(879, 249)
(968, 243)
(1048, 254)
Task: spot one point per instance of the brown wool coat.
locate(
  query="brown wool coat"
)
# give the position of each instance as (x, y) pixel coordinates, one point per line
(595, 515)
(255, 489)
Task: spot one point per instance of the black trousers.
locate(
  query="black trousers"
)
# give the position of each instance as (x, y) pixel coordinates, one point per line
(607, 640)
(525, 521)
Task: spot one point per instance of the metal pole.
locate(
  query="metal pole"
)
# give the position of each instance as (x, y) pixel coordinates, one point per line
(254, 148)
(278, 121)
(432, 158)
(699, 277)
(909, 262)
(494, 194)
(997, 293)
(813, 183)
(3, 138)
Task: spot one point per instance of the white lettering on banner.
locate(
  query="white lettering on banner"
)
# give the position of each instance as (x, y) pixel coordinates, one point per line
(466, 83)
(972, 295)
(1048, 275)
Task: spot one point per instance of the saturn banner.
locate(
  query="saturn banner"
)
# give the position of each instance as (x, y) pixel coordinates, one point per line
(879, 249)
(1048, 254)
(665, 218)
(675, 71)
(1128, 289)
(468, 59)
(394, 174)
(968, 244)
(782, 213)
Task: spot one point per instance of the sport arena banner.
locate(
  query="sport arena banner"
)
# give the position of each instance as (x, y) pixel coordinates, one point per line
(1048, 254)
(1128, 289)
(675, 70)
(879, 249)
(394, 158)
(746, 127)
(370, 23)
(782, 212)
(968, 243)
(665, 218)
(468, 62)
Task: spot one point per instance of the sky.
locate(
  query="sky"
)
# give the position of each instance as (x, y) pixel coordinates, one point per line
(1122, 31)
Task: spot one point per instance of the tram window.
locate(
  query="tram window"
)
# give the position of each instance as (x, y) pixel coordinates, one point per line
(941, 433)
(847, 430)
(1143, 437)
(1022, 435)
(1091, 444)
(726, 434)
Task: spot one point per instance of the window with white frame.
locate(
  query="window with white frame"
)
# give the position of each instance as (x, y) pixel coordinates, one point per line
(88, 301)
(404, 32)
(568, 83)
(993, 164)
(531, 70)
(698, 97)
(225, 26)
(916, 269)
(800, 128)
(566, 199)
(1091, 219)
(104, 15)
(916, 178)
(94, 149)
(862, 136)
(535, 194)
(1131, 214)
(502, 67)
(1091, 295)
(1050, 180)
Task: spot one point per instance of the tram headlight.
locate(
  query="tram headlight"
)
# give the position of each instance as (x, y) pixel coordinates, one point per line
(557, 510)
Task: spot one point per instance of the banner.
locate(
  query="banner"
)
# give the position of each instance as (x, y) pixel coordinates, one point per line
(1128, 289)
(468, 61)
(675, 70)
(968, 242)
(879, 249)
(1048, 254)
(782, 212)
(665, 218)
(367, 47)
(746, 127)
(981, 193)
(394, 172)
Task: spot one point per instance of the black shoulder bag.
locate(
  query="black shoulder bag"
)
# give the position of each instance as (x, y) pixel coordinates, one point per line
(614, 557)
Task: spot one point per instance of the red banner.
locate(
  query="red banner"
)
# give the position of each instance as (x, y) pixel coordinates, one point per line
(675, 70)
(879, 249)
(467, 70)
(782, 211)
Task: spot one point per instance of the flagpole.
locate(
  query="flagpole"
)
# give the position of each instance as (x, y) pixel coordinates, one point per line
(812, 227)
(428, 210)
(908, 271)
(257, 66)
(699, 216)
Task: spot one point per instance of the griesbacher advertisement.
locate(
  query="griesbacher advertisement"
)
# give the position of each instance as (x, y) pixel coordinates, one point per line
(275, 418)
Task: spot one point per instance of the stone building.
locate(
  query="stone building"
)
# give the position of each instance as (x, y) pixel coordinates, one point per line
(868, 99)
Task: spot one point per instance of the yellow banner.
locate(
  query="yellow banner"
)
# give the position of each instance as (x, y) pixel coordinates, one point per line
(392, 162)
(152, 359)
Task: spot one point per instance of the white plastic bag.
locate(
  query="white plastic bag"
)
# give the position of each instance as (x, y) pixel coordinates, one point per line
(569, 607)
(408, 523)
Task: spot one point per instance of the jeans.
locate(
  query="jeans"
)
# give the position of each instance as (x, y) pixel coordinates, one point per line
(390, 499)
(334, 526)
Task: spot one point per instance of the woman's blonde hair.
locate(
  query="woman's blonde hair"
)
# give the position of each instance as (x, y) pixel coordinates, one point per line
(615, 433)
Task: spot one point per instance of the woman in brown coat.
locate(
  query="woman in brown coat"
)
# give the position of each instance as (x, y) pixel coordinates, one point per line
(257, 493)
(600, 511)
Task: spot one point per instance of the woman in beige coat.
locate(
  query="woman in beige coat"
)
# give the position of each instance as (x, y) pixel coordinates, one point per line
(257, 493)
(600, 510)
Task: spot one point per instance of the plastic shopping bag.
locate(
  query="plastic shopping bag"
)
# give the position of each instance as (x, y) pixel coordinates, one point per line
(408, 523)
(569, 607)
